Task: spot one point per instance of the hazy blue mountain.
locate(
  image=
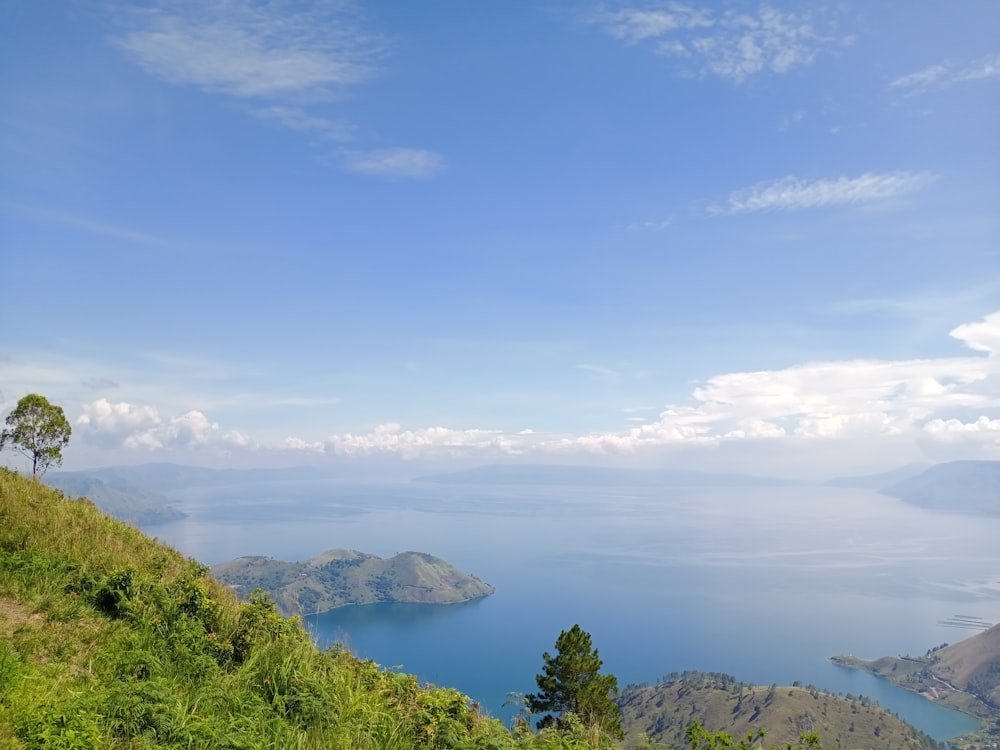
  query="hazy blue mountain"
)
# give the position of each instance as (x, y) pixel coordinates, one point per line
(554, 474)
(115, 496)
(165, 477)
(880, 480)
(964, 486)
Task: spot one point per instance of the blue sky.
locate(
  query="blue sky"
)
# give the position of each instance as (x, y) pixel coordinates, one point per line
(737, 236)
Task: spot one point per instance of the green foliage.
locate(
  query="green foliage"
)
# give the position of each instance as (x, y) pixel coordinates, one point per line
(38, 431)
(700, 738)
(109, 640)
(571, 683)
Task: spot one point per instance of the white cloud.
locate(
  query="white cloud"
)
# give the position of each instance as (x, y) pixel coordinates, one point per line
(298, 445)
(981, 336)
(950, 430)
(635, 24)
(280, 58)
(252, 49)
(934, 404)
(944, 75)
(297, 118)
(141, 426)
(795, 193)
(237, 439)
(116, 422)
(392, 438)
(650, 225)
(731, 45)
(414, 163)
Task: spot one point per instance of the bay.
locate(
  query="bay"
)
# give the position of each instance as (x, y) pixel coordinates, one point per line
(764, 583)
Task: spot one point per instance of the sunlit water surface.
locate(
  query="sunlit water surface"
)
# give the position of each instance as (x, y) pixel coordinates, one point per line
(761, 583)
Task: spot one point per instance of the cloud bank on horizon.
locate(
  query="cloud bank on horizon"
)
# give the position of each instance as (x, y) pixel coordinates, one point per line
(757, 236)
(940, 402)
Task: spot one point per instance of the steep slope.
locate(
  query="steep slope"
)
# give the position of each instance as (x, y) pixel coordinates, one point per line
(111, 640)
(339, 577)
(663, 712)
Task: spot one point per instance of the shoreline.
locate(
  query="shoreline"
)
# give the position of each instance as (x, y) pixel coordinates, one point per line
(391, 601)
(887, 667)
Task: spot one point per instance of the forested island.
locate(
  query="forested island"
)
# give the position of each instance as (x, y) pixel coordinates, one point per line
(340, 577)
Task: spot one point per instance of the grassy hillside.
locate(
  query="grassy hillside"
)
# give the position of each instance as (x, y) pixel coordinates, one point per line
(720, 703)
(339, 577)
(111, 640)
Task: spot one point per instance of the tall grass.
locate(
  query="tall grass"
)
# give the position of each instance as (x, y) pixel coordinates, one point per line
(109, 639)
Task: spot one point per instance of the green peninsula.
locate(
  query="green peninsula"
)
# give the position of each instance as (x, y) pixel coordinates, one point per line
(339, 577)
(964, 676)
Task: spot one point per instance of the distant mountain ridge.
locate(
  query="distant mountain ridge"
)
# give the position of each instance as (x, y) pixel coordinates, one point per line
(879, 480)
(115, 496)
(558, 474)
(134, 494)
(339, 577)
(165, 477)
(961, 486)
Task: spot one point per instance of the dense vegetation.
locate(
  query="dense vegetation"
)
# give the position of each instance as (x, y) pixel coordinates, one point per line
(571, 682)
(110, 640)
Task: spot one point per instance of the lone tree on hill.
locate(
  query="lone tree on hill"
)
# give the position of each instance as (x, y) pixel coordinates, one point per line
(572, 683)
(38, 431)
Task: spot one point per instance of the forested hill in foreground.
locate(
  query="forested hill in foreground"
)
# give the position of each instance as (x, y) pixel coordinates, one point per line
(663, 712)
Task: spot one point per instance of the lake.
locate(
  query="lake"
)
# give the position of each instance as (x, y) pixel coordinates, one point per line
(764, 583)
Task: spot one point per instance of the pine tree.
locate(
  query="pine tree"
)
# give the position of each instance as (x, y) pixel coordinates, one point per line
(571, 683)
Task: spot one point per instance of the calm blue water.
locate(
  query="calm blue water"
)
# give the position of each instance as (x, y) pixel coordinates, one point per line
(761, 583)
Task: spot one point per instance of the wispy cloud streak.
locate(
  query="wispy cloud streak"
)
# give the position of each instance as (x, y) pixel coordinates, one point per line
(731, 45)
(414, 163)
(796, 193)
(252, 50)
(281, 59)
(943, 75)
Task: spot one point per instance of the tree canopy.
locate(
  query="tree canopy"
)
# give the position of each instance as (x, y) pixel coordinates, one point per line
(571, 683)
(38, 431)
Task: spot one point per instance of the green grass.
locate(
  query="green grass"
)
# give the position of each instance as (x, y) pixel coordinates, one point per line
(109, 639)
